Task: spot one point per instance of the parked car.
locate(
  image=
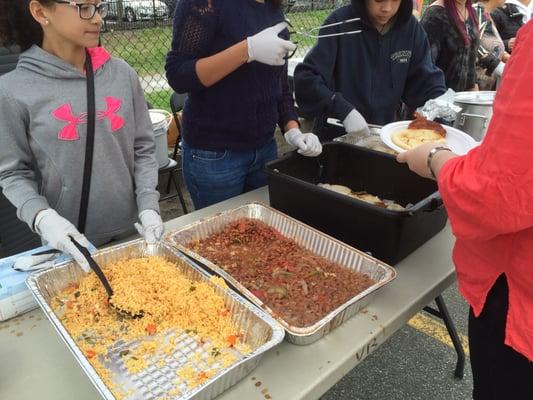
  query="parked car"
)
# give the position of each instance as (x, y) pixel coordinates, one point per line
(134, 10)
(171, 4)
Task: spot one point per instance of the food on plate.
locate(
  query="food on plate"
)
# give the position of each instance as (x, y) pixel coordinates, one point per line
(419, 131)
(298, 285)
(408, 139)
(166, 297)
(421, 122)
(364, 196)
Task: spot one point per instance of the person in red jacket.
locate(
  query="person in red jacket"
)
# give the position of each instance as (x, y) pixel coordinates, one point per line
(488, 194)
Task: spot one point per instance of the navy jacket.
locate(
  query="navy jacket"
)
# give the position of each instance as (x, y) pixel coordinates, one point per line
(372, 72)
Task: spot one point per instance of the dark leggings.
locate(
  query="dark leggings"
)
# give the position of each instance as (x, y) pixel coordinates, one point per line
(499, 372)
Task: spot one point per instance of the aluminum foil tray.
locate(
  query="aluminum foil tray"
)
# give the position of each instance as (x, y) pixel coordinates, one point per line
(372, 141)
(305, 236)
(261, 332)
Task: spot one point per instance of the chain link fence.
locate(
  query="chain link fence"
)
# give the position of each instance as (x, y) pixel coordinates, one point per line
(140, 32)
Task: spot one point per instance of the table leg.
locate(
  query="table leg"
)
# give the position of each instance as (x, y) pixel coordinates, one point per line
(443, 314)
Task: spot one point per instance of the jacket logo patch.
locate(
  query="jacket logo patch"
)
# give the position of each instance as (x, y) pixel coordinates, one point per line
(70, 131)
(402, 56)
(113, 105)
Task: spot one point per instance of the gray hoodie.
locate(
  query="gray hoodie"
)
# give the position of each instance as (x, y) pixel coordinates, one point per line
(43, 122)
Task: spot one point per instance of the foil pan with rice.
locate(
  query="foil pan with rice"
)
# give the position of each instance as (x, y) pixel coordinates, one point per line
(195, 340)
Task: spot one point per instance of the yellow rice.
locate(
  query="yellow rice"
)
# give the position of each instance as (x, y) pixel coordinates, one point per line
(169, 301)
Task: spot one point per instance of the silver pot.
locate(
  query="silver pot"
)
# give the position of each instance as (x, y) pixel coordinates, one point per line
(475, 114)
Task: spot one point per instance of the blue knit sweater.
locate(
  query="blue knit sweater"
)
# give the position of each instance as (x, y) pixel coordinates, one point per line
(241, 111)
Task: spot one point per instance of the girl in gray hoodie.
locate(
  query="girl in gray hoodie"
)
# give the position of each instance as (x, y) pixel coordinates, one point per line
(43, 127)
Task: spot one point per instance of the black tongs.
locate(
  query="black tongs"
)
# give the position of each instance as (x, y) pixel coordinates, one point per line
(98, 271)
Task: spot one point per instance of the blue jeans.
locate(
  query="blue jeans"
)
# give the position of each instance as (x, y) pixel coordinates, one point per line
(214, 176)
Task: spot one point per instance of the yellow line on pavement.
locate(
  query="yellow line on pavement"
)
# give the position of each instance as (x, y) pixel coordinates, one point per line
(436, 330)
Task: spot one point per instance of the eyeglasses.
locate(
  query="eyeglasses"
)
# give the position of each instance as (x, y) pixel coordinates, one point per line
(313, 33)
(88, 10)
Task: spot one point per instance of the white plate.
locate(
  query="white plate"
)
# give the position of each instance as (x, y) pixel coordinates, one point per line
(457, 140)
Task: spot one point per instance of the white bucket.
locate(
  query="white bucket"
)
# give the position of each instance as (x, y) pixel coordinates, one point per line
(161, 120)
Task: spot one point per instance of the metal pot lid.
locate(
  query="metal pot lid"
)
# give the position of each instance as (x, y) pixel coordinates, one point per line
(477, 98)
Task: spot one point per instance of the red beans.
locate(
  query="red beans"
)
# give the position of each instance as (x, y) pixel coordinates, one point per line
(295, 283)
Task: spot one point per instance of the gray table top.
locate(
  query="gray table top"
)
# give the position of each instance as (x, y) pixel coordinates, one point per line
(36, 363)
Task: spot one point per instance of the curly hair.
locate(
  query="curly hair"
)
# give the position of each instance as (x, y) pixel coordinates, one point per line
(17, 25)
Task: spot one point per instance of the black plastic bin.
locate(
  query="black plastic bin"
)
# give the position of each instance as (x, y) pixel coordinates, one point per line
(387, 235)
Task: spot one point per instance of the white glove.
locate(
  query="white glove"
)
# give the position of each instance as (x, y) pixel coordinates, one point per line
(267, 47)
(56, 232)
(355, 123)
(151, 226)
(308, 143)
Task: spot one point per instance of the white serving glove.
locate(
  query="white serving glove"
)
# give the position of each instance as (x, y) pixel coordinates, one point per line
(267, 47)
(151, 226)
(355, 123)
(308, 143)
(56, 232)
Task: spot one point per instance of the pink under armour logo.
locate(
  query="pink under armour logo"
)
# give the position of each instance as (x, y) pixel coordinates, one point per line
(70, 131)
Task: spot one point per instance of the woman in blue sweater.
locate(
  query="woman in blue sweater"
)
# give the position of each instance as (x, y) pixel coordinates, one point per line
(229, 57)
(365, 77)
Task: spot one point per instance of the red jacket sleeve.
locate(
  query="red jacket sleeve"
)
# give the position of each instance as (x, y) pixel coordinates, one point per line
(489, 191)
